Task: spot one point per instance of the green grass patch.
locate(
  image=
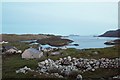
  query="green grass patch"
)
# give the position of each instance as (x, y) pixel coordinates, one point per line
(109, 52)
(15, 62)
(100, 73)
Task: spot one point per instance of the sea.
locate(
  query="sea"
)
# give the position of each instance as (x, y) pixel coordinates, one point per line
(86, 42)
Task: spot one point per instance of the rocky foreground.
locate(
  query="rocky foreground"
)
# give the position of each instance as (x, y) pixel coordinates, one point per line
(66, 66)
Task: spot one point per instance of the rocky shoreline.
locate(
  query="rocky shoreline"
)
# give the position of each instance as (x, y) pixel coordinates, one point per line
(113, 42)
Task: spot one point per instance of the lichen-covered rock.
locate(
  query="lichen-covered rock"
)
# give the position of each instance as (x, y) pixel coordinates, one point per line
(23, 70)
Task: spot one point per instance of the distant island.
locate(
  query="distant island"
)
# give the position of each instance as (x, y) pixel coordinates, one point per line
(73, 35)
(54, 41)
(111, 33)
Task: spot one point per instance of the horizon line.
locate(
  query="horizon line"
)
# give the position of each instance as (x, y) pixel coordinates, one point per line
(60, 1)
(48, 34)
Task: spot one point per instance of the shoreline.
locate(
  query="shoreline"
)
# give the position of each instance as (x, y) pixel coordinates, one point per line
(52, 40)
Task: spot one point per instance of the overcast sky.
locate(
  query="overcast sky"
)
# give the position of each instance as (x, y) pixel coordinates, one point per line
(60, 1)
(64, 18)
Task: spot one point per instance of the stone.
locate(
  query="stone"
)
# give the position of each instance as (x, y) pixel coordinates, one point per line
(23, 70)
(67, 65)
(46, 61)
(69, 58)
(93, 69)
(79, 77)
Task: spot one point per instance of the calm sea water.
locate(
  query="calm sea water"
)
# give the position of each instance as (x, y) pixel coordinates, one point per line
(86, 42)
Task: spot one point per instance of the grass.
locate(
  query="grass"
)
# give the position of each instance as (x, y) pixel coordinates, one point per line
(12, 63)
(100, 73)
(15, 37)
(15, 62)
(109, 52)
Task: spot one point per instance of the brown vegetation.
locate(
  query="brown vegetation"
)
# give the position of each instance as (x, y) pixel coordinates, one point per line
(55, 41)
(15, 37)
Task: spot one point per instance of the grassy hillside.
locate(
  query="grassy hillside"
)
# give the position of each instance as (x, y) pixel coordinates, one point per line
(15, 37)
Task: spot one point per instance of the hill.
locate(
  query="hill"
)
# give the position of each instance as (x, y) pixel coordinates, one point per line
(22, 37)
(111, 33)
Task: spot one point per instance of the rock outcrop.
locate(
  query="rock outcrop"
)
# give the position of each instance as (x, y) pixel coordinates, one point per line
(113, 42)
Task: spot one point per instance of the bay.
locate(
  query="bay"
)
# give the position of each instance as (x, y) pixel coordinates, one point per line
(86, 42)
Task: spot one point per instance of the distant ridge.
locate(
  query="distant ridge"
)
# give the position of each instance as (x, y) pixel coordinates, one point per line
(111, 33)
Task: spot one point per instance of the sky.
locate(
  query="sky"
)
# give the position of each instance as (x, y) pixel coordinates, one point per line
(60, 0)
(62, 18)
